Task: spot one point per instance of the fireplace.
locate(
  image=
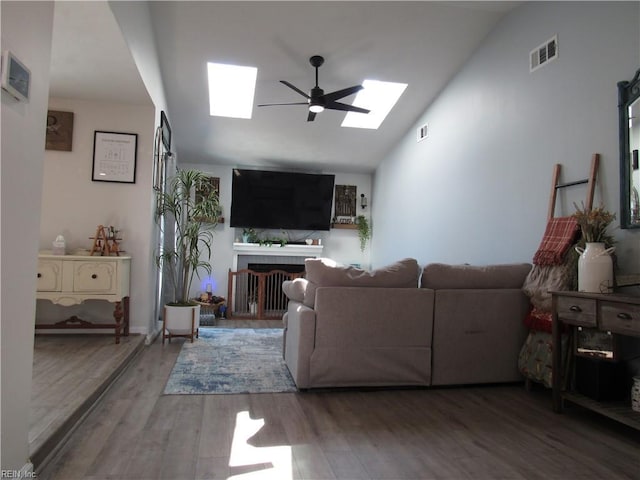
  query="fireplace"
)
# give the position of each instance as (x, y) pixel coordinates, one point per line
(261, 269)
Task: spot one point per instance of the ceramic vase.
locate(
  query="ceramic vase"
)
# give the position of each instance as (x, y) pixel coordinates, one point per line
(595, 268)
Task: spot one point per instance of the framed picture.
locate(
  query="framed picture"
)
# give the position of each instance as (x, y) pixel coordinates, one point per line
(165, 131)
(16, 77)
(114, 157)
(206, 188)
(59, 131)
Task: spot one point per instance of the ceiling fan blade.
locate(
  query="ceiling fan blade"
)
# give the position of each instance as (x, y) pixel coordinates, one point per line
(293, 87)
(345, 107)
(311, 117)
(345, 92)
(274, 104)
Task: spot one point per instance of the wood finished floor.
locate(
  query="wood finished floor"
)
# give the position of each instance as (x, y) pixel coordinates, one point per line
(70, 372)
(492, 432)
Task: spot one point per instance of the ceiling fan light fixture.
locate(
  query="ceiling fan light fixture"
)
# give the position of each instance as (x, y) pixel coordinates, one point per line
(315, 108)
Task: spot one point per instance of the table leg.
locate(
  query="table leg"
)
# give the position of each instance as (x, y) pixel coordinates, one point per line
(118, 315)
(556, 366)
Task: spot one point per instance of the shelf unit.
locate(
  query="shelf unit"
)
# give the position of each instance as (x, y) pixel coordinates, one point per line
(345, 226)
(615, 313)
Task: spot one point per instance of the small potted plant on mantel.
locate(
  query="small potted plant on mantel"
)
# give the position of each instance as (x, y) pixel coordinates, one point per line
(183, 260)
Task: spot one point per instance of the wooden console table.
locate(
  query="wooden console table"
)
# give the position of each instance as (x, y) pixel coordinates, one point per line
(614, 313)
(71, 279)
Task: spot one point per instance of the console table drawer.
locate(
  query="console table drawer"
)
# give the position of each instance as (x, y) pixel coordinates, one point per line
(577, 311)
(94, 277)
(49, 276)
(620, 318)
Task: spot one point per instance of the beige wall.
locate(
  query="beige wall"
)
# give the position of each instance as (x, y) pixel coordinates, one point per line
(73, 205)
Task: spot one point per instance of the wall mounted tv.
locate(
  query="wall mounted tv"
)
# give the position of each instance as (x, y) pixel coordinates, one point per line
(287, 200)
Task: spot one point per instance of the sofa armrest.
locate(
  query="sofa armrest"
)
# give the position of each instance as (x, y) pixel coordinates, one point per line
(299, 338)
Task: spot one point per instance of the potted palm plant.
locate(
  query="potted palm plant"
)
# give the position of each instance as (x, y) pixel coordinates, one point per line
(190, 252)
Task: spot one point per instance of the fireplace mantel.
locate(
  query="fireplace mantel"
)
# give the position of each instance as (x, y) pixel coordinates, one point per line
(255, 249)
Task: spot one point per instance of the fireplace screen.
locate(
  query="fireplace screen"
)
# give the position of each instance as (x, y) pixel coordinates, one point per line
(256, 292)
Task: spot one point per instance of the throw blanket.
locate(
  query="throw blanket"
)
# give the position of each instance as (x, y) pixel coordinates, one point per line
(559, 235)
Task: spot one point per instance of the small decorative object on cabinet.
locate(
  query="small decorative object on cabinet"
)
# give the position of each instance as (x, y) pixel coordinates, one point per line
(615, 313)
(71, 279)
(595, 268)
(105, 242)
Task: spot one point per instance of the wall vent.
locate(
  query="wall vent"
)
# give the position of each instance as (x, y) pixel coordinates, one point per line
(543, 54)
(422, 132)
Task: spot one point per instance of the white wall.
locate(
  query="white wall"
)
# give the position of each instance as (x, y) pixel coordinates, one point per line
(73, 205)
(477, 189)
(26, 31)
(340, 245)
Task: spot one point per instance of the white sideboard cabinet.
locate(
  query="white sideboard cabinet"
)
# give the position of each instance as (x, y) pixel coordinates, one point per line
(71, 279)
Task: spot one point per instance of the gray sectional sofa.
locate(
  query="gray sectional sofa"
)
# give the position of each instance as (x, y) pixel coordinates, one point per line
(402, 325)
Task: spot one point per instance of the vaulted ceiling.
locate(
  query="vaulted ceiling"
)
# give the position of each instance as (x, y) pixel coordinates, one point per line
(422, 44)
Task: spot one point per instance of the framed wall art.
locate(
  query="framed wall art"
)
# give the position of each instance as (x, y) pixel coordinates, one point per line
(59, 131)
(114, 157)
(16, 77)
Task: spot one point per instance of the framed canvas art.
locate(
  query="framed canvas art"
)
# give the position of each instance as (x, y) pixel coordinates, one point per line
(59, 134)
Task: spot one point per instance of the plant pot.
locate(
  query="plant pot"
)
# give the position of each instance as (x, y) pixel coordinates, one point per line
(595, 268)
(180, 321)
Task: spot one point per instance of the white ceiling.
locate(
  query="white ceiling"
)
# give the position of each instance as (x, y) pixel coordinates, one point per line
(420, 43)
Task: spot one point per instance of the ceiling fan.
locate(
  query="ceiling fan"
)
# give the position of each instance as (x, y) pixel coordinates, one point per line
(317, 100)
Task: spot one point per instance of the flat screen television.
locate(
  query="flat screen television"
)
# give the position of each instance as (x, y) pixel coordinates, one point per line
(286, 200)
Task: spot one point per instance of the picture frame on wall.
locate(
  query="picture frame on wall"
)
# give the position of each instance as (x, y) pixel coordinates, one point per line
(114, 157)
(59, 135)
(165, 131)
(16, 77)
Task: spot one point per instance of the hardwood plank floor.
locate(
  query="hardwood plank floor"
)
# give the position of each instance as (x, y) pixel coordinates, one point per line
(70, 372)
(484, 432)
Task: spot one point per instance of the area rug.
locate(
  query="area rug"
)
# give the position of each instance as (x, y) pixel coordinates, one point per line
(231, 360)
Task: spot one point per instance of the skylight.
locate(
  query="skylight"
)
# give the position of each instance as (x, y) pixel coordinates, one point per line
(379, 97)
(231, 89)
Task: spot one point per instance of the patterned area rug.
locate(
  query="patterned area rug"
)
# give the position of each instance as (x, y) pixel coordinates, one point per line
(231, 360)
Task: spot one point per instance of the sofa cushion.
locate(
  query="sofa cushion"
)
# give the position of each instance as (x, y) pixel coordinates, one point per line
(323, 272)
(439, 275)
(294, 289)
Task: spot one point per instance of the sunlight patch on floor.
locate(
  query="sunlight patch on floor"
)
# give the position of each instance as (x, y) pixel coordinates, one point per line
(257, 462)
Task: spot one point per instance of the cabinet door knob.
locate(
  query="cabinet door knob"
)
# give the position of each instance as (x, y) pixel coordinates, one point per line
(94, 276)
(624, 316)
(39, 275)
(575, 308)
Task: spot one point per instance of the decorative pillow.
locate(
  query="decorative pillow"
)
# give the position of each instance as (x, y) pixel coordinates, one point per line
(323, 272)
(294, 289)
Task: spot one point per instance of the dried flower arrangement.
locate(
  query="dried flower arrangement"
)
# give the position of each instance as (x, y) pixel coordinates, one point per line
(593, 223)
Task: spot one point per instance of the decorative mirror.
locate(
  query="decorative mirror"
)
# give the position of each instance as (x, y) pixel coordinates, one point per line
(629, 124)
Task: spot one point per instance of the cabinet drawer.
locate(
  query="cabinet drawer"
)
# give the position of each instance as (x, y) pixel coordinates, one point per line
(577, 311)
(94, 277)
(620, 318)
(49, 276)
